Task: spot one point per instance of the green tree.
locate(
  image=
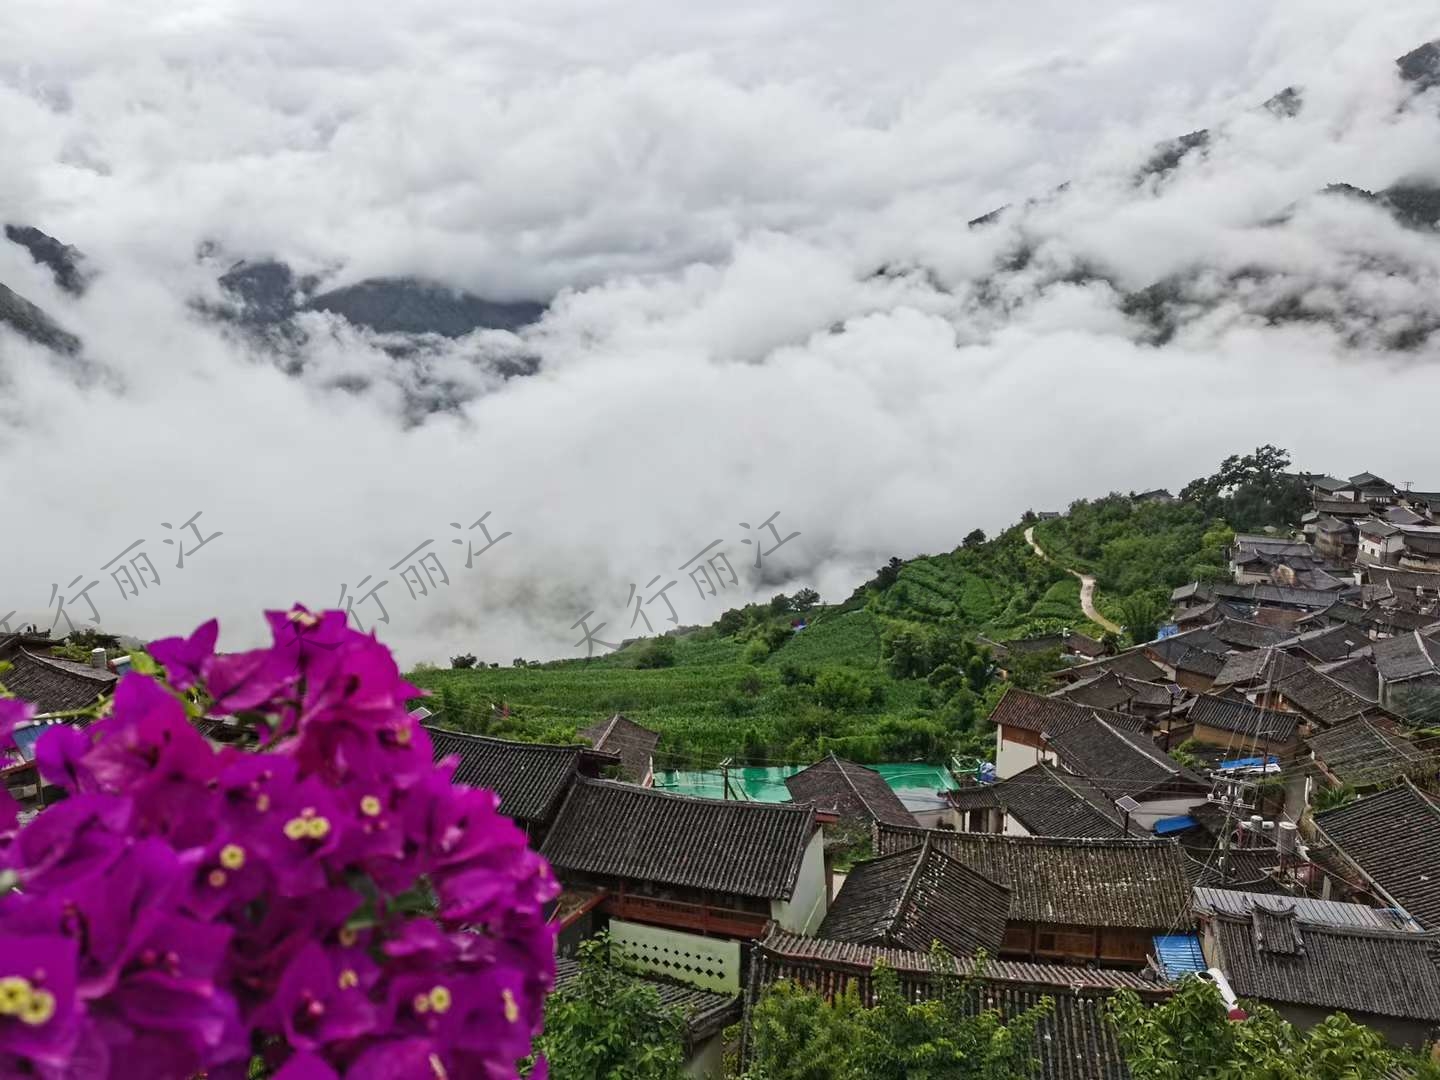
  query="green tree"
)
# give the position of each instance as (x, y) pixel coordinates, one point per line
(657, 653)
(730, 623)
(974, 538)
(1143, 612)
(1191, 1037)
(463, 661)
(806, 599)
(605, 1024)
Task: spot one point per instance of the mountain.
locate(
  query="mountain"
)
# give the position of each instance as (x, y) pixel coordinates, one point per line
(269, 293)
(65, 263)
(33, 323)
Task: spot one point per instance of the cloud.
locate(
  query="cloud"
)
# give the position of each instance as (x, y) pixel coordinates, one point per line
(752, 222)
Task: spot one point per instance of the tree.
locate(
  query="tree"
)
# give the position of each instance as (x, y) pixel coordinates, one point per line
(888, 574)
(463, 661)
(731, 623)
(605, 1024)
(1143, 613)
(1330, 798)
(780, 604)
(974, 538)
(657, 653)
(806, 599)
(1191, 1037)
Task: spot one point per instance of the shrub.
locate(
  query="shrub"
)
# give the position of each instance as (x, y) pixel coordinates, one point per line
(756, 652)
(657, 653)
(463, 661)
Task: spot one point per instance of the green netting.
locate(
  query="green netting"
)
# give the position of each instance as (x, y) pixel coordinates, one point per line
(916, 784)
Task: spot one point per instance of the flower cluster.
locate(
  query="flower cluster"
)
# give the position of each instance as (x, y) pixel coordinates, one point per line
(329, 903)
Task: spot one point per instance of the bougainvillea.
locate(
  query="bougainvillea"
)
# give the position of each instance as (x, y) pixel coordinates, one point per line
(326, 904)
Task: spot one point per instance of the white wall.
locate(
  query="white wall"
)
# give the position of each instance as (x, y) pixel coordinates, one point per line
(805, 909)
(709, 963)
(1014, 757)
(1143, 820)
(1014, 828)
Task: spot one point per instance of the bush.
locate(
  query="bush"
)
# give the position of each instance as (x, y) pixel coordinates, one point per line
(657, 653)
(756, 652)
(463, 661)
(792, 674)
(750, 683)
(842, 690)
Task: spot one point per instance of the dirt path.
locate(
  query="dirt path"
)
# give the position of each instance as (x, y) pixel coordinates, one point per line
(1087, 587)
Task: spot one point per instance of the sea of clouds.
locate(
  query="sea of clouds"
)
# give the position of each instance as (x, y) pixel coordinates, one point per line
(750, 221)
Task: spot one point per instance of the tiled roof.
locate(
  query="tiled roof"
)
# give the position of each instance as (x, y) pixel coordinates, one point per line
(1243, 718)
(1359, 676)
(1329, 643)
(1073, 1041)
(52, 684)
(1323, 912)
(1393, 837)
(851, 790)
(1051, 716)
(634, 744)
(1119, 883)
(1316, 695)
(1240, 634)
(620, 831)
(1051, 802)
(1276, 957)
(1403, 580)
(1239, 868)
(1365, 751)
(1121, 762)
(530, 778)
(1177, 646)
(913, 898)
(705, 1012)
(1407, 656)
(1278, 595)
(779, 945)
(1199, 661)
(1133, 663)
(1109, 691)
(1242, 668)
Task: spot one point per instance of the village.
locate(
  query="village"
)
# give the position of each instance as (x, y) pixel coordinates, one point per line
(1249, 798)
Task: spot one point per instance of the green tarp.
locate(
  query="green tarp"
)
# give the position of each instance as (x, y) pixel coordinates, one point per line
(915, 784)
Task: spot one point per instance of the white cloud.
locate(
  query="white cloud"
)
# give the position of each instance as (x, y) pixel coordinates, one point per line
(711, 190)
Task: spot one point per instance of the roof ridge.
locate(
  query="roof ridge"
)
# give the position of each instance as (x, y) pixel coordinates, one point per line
(1040, 841)
(573, 748)
(53, 663)
(1060, 778)
(909, 887)
(840, 764)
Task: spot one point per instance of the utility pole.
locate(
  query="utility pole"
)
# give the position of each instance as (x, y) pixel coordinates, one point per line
(725, 778)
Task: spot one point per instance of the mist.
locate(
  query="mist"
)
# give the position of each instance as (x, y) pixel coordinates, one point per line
(751, 224)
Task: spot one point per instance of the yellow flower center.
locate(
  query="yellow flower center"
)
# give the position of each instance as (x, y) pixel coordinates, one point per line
(440, 999)
(232, 856)
(297, 829)
(38, 1009)
(217, 878)
(512, 1011)
(403, 736)
(319, 828)
(262, 802)
(304, 618)
(421, 1003)
(347, 936)
(370, 806)
(14, 993)
(348, 978)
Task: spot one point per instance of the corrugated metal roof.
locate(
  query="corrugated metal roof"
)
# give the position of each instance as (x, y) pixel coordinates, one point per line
(1325, 912)
(1179, 954)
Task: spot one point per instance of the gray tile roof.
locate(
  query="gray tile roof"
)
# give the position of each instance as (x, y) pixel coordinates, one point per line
(52, 684)
(634, 744)
(1052, 802)
(1365, 751)
(1393, 838)
(1407, 656)
(853, 791)
(1240, 634)
(1243, 718)
(530, 778)
(1052, 716)
(911, 899)
(1323, 912)
(1278, 958)
(614, 830)
(1122, 762)
(1328, 643)
(1138, 883)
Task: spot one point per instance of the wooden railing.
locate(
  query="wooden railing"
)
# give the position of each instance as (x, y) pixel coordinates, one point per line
(705, 918)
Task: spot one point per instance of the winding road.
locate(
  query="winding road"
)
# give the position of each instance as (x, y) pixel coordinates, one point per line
(1087, 587)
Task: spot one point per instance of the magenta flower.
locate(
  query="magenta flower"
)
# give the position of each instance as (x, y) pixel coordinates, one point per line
(187, 904)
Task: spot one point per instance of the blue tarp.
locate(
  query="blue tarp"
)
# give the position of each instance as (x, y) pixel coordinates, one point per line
(1179, 954)
(1167, 825)
(1168, 630)
(1250, 763)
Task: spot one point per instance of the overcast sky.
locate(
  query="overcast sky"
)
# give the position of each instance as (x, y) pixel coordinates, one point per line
(705, 191)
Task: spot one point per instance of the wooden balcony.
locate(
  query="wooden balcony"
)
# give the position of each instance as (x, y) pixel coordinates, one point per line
(680, 915)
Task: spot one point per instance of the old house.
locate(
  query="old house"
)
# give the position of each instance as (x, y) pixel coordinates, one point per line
(1240, 727)
(1386, 979)
(1408, 666)
(1328, 644)
(910, 899)
(1113, 692)
(675, 864)
(1369, 489)
(635, 746)
(1363, 752)
(1071, 900)
(531, 779)
(1422, 549)
(1073, 1041)
(1335, 539)
(1384, 849)
(50, 683)
(1025, 721)
(854, 794)
(1041, 801)
(1380, 543)
(1131, 770)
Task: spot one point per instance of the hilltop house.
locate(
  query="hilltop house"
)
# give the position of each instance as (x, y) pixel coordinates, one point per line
(1026, 722)
(1071, 900)
(531, 779)
(1131, 771)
